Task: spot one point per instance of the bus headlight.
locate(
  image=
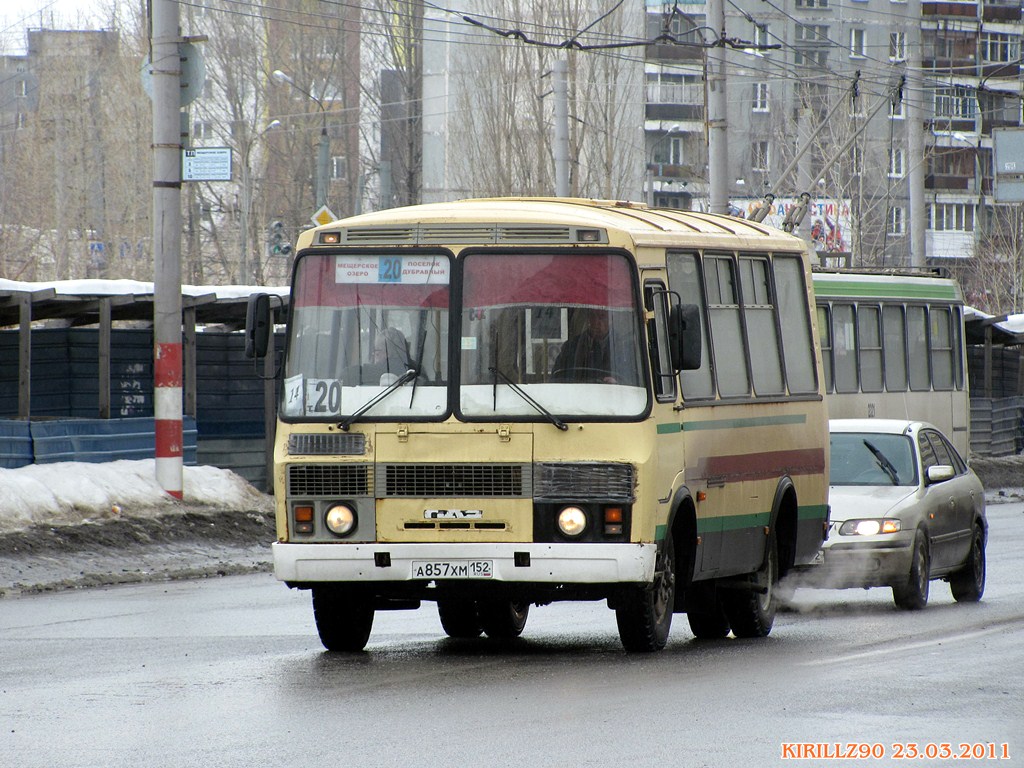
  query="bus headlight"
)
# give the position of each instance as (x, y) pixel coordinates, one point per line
(572, 521)
(340, 519)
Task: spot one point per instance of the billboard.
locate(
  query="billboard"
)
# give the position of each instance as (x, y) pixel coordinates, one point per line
(827, 222)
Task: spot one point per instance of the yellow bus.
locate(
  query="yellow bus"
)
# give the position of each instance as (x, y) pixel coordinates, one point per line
(893, 347)
(500, 403)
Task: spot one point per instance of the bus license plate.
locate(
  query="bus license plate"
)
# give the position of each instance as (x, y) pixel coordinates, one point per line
(452, 569)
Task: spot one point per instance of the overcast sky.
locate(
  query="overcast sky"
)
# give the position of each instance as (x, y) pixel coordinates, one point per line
(16, 15)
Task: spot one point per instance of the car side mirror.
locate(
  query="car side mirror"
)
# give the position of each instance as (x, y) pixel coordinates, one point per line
(940, 473)
(684, 336)
(257, 325)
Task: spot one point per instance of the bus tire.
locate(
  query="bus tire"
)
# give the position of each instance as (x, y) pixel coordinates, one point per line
(503, 619)
(459, 617)
(704, 612)
(912, 594)
(752, 613)
(968, 583)
(644, 617)
(343, 619)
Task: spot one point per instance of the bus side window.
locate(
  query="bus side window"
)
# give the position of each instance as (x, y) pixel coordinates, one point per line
(895, 348)
(941, 347)
(794, 318)
(869, 348)
(760, 323)
(825, 334)
(844, 347)
(684, 278)
(726, 327)
(656, 298)
(917, 335)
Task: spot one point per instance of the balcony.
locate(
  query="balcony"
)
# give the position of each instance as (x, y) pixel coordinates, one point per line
(950, 10)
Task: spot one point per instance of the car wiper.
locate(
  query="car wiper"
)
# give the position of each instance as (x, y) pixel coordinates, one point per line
(884, 463)
(529, 400)
(406, 377)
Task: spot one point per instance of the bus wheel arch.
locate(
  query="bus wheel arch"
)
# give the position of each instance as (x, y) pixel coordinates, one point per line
(784, 525)
(683, 524)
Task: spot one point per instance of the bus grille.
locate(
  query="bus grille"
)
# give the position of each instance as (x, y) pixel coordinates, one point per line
(454, 480)
(585, 482)
(353, 444)
(317, 480)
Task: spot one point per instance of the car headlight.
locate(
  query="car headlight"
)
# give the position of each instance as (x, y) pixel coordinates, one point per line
(340, 519)
(869, 527)
(572, 521)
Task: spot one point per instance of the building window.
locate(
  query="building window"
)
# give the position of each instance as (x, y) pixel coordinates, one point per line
(21, 89)
(997, 47)
(896, 219)
(202, 130)
(812, 3)
(896, 108)
(958, 102)
(760, 97)
(19, 121)
(858, 46)
(896, 169)
(339, 168)
(812, 33)
(897, 46)
(762, 38)
(760, 158)
(856, 160)
(952, 217)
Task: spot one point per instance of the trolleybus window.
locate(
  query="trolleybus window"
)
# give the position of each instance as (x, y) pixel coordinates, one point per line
(895, 348)
(869, 342)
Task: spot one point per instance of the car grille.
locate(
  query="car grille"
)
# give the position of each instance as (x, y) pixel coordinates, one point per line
(454, 480)
(585, 482)
(335, 480)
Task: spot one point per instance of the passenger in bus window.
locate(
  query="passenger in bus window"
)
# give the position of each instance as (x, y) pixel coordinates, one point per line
(594, 355)
(389, 360)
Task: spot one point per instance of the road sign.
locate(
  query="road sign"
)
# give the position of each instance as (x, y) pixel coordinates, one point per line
(206, 164)
(193, 73)
(324, 216)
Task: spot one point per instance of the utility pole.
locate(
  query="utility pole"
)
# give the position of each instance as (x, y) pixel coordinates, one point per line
(913, 96)
(561, 150)
(165, 59)
(717, 125)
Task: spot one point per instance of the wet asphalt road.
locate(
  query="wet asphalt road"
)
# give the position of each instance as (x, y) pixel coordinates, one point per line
(229, 672)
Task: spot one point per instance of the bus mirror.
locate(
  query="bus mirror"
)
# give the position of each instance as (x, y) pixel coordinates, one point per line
(684, 335)
(257, 325)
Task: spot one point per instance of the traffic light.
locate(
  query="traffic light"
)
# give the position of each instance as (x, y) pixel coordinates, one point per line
(279, 245)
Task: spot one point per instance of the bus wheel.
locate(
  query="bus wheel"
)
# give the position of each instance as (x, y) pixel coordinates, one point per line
(752, 614)
(968, 584)
(458, 617)
(704, 612)
(503, 619)
(645, 617)
(343, 619)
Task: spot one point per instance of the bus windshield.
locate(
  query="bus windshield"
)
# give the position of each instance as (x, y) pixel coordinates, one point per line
(541, 335)
(361, 322)
(549, 332)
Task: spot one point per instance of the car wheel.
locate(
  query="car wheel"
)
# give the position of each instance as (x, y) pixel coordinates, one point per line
(343, 619)
(645, 617)
(704, 612)
(968, 584)
(750, 613)
(912, 595)
(503, 619)
(459, 618)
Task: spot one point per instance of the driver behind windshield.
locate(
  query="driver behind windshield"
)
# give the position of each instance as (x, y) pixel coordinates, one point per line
(595, 354)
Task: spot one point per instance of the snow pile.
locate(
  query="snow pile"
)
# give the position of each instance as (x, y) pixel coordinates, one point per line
(73, 492)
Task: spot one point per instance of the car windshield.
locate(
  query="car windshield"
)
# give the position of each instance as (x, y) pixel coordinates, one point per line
(360, 324)
(870, 458)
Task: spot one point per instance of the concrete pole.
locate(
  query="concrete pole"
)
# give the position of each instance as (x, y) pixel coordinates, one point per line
(167, 391)
(913, 96)
(323, 163)
(561, 149)
(717, 125)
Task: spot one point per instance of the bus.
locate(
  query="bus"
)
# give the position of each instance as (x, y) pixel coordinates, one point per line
(495, 404)
(893, 346)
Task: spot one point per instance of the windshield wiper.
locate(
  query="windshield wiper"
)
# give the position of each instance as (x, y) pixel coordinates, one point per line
(884, 463)
(519, 391)
(406, 377)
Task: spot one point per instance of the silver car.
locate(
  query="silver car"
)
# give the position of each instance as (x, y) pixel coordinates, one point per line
(906, 509)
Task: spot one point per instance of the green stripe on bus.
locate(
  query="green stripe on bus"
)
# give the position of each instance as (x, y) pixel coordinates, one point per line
(812, 512)
(756, 519)
(756, 421)
(889, 290)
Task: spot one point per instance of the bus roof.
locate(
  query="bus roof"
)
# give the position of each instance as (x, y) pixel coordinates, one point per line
(883, 284)
(549, 221)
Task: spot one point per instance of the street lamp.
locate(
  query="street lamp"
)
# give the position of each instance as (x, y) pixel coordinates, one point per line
(650, 165)
(246, 206)
(323, 154)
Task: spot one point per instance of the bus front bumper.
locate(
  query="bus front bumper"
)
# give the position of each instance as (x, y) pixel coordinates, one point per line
(509, 562)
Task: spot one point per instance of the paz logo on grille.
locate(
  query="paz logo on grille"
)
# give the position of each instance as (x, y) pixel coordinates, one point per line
(453, 514)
